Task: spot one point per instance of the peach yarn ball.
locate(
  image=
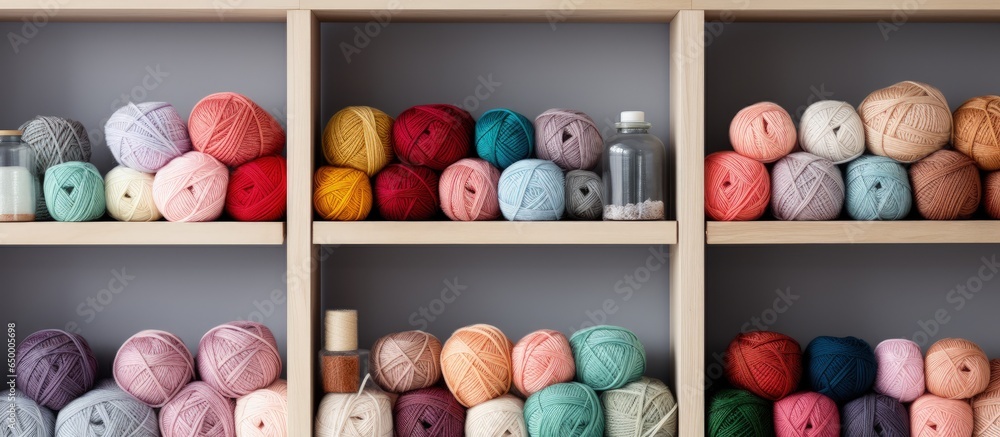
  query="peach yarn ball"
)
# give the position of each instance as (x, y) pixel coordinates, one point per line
(900, 372)
(234, 129)
(932, 416)
(763, 131)
(191, 188)
(264, 412)
(198, 411)
(540, 359)
(956, 369)
(239, 357)
(153, 366)
(476, 364)
(737, 188)
(977, 131)
(406, 361)
(986, 405)
(343, 194)
(906, 121)
(359, 137)
(946, 186)
(991, 194)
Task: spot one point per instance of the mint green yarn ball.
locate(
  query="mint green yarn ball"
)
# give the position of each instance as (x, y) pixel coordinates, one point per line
(607, 357)
(568, 409)
(74, 192)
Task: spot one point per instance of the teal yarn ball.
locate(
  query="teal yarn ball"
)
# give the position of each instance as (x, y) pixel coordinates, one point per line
(607, 357)
(878, 188)
(532, 189)
(74, 192)
(567, 409)
(738, 413)
(841, 368)
(504, 137)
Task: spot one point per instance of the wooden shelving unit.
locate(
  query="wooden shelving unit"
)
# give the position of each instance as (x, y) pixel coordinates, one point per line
(152, 233)
(495, 232)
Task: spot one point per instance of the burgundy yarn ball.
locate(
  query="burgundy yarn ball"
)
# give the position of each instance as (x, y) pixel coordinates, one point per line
(433, 136)
(257, 191)
(55, 367)
(406, 192)
(428, 412)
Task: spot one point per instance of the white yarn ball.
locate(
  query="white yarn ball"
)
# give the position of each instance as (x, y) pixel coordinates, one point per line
(368, 414)
(503, 416)
(264, 412)
(129, 195)
(107, 411)
(146, 136)
(833, 130)
(30, 419)
(641, 408)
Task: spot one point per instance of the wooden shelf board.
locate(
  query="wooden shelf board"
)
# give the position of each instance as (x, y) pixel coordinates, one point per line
(895, 12)
(152, 233)
(145, 10)
(854, 232)
(494, 232)
(508, 10)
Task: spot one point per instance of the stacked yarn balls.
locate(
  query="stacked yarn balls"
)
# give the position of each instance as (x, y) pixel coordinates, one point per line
(906, 129)
(436, 158)
(847, 388)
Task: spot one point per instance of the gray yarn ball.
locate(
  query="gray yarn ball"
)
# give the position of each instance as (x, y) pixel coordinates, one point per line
(55, 140)
(30, 420)
(107, 411)
(584, 195)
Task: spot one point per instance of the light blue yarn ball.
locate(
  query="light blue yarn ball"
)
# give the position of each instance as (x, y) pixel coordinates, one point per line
(504, 137)
(107, 411)
(30, 419)
(878, 188)
(74, 192)
(532, 189)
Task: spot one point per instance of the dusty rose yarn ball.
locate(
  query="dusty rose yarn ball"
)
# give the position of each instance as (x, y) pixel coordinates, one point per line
(906, 121)
(540, 359)
(237, 358)
(468, 190)
(153, 366)
(433, 136)
(234, 129)
(406, 361)
(946, 186)
(428, 412)
(568, 138)
(768, 364)
(55, 367)
(198, 411)
(763, 131)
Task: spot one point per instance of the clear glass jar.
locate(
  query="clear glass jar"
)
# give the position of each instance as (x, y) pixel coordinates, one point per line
(18, 194)
(633, 171)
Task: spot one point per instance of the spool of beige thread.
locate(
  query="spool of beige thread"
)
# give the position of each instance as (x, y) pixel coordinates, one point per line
(340, 362)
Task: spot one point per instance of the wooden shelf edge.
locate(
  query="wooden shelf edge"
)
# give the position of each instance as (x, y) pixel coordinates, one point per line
(494, 233)
(895, 12)
(552, 11)
(152, 233)
(43, 11)
(854, 232)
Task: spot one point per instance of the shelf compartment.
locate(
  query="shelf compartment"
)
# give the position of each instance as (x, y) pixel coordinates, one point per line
(854, 232)
(511, 10)
(145, 233)
(121, 10)
(494, 233)
(895, 12)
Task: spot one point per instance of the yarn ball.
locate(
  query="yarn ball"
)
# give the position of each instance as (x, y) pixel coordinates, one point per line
(342, 194)
(359, 137)
(739, 413)
(476, 364)
(763, 131)
(264, 412)
(146, 136)
(832, 130)
(74, 192)
(532, 189)
(540, 359)
(153, 366)
(233, 129)
(977, 131)
(956, 368)
(584, 195)
(607, 357)
(806, 414)
(468, 190)
(406, 361)
(128, 195)
(406, 192)
(257, 190)
(239, 357)
(365, 414)
(568, 138)
(806, 187)
(30, 420)
(946, 186)
(986, 405)
(198, 411)
(503, 416)
(875, 415)
(55, 140)
(642, 408)
(433, 136)
(568, 409)
(54, 367)
(900, 372)
(932, 416)
(878, 188)
(191, 188)
(107, 411)
(504, 137)
(842, 368)
(428, 412)
(991, 194)
(767, 364)
(906, 121)
(736, 187)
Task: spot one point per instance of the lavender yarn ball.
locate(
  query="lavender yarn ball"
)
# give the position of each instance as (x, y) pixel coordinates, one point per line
(107, 411)
(806, 187)
(146, 136)
(568, 138)
(54, 367)
(584, 195)
(30, 420)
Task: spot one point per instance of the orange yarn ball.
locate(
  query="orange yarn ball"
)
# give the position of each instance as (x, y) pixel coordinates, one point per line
(931, 416)
(986, 405)
(540, 359)
(991, 194)
(476, 364)
(768, 364)
(956, 368)
(234, 129)
(343, 194)
(906, 121)
(736, 187)
(977, 131)
(359, 137)
(945, 186)
(763, 131)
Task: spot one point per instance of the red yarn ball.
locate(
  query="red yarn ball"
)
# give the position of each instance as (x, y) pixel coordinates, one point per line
(234, 129)
(406, 192)
(257, 190)
(434, 136)
(767, 364)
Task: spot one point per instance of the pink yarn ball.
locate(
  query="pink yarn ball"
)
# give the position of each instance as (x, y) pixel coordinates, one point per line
(237, 358)
(191, 188)
(806, 414)
(900, 370)
(198, 411)
(932, 416)
(153, 366)
(54, 367)
(540, 359)
(763, 131)
(468, 190)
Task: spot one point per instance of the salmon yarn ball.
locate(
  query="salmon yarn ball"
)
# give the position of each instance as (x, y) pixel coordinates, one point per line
(476, 364)
(540, 359)
(234, 129)
(945, 186)
(191, 188)
(153, 366)
(406, 361)
(932, 416)
(359, 137)
(343, 194)
(468, 190)
(198, 411)
(956, 369)
(406, 192)
(906, 121)
(986, 405)
(736, 187)
(767, 364)
(433, 136)
(257, 190)
(237, 358)
(763, 131)
(806, 414)
(991, 194)
(977, 131)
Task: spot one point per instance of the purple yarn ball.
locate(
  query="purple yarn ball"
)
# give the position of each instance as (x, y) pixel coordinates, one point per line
(429, 411)
(54, 367)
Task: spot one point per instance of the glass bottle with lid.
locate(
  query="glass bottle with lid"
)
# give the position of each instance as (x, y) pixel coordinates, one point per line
(18, 194)
(633, 171)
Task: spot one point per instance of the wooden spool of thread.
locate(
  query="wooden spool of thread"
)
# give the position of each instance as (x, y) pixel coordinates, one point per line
(341, 364)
